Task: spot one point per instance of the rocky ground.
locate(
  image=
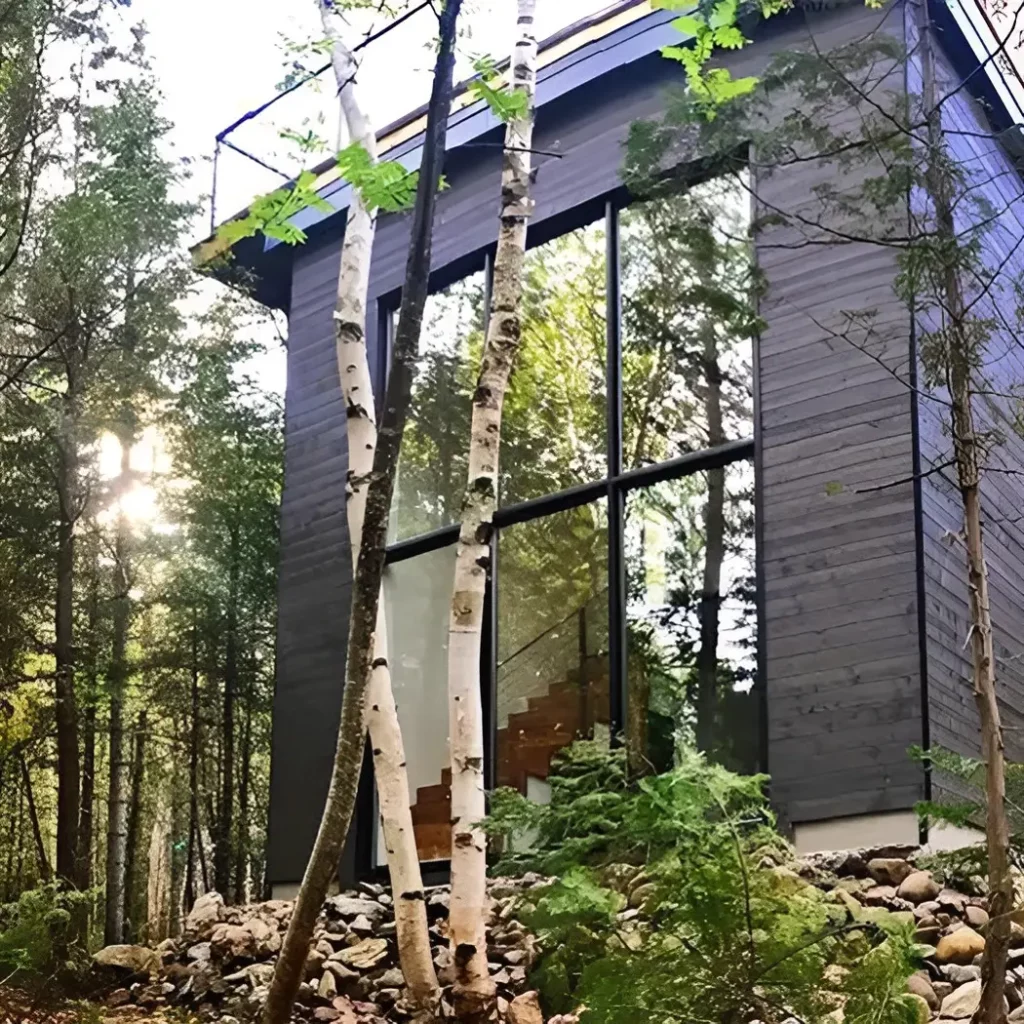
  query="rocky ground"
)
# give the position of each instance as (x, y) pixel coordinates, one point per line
(219, 969)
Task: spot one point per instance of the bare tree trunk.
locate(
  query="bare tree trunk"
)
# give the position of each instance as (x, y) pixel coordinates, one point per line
(117, 809)
(131, 930)
(225, 819)
(474, 991)
(66, 712)
(714, 554)
(242, 838)
(158, 890)
(341, 796)
(381, 714)
(33, 815)
(961, 357)
(193, 774)
(83, 874)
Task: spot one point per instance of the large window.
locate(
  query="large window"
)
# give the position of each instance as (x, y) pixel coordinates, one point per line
(622, 601)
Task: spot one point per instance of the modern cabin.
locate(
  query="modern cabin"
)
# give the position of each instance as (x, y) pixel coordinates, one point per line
(741, 539)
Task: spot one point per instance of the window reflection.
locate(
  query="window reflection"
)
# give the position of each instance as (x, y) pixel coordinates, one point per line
(554, 429)
(687, 322)
(417, 596)
(692, 622)
(552, 684)
(432, 468)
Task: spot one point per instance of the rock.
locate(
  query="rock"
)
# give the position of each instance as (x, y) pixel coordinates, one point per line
(325, 1013)
(128, 959)
(328, 987)
(889, 870)
(1012, 993)
(959, 947)
(200, 952)
(361, 925)
(641, 894)
(924, 1011)
(363, 955)
(961, 975)
(314, 962)
(918, 887)
(1016, 1015)
(976, 917)
(392, 978)
(525, 1009)
(231, 942)
(340, 971)
(919, 984)
(962, 1002)
(206, 912)
(372, 889)
(515, 956)
(260, 930)
(353, 906)
(119, 997)
(951, 901)
(878, 896)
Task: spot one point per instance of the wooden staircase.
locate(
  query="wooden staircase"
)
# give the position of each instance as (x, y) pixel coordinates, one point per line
(569, 710)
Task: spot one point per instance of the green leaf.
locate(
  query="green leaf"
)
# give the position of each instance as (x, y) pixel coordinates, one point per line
(384, 186)
(833, 487)
(724, 14)
(506, 104)
(730, 38)
(688, 25)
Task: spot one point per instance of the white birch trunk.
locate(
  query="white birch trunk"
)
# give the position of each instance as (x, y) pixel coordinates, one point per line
(381, 715)
(474, 991)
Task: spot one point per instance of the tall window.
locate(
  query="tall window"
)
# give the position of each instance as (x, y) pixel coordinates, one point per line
(622, 602)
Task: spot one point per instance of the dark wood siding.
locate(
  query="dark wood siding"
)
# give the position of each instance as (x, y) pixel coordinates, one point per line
(952, 712)
(839, 572)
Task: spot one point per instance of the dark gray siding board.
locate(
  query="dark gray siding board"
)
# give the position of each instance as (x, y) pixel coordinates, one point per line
(839, 562)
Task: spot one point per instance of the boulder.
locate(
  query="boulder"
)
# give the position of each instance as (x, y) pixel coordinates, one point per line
(206, 912)
(889, 870)
(961, 975)
(363, 955)
(924, 1011)
(353, 906)
(918, 887)
(128, 959)
(962, 1002)
(919, 984)
(200, 952)
(959, 947)
(328, 987)
(976, 917)
(392, 978)
(232, 942)
(525, 1009)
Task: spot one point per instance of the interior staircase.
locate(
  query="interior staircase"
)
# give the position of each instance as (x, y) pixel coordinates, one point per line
(570, 709)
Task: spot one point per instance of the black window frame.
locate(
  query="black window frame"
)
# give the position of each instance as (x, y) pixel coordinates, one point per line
(614, 488)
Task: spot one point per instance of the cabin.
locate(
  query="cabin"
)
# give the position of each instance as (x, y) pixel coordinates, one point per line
(703, 535)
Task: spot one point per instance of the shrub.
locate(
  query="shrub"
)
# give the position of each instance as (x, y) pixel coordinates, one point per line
(672, 902)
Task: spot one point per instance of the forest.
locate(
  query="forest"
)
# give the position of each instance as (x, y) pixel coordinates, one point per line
(554, 675)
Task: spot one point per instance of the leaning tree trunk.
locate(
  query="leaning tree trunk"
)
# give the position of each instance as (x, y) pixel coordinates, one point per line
(714, 554)
(474, 991)
(117, 794)
(33, 815)
(341, 796)
(381, 714)
(960, 360)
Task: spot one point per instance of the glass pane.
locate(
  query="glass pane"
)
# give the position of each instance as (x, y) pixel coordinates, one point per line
(554, 429)
(552, 682)
(687, 322)
(417, 595)
(432, 468)
(692, 619)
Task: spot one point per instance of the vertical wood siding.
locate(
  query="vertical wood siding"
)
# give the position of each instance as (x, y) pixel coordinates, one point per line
(952, 713)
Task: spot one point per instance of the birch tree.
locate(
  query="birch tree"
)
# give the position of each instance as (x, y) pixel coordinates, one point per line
(366, 603)
(474, 990)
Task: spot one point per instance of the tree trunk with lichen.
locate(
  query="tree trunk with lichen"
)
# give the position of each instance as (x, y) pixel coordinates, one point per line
(474, 991)
(366, 604)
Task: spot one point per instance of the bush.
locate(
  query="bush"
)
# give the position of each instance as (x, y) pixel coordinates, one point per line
(673, 903)
(37, 934)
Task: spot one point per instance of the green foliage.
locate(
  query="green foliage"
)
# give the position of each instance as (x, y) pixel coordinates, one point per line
(724, 932)
(271, 214)
(36, 934)
(385, 185)
(506, 104)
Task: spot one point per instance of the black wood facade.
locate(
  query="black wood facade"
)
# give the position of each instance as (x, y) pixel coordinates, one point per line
(862, 609)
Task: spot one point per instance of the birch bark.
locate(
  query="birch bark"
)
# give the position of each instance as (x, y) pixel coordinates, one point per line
(474, 992)
(341, 796)
(380, 713)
